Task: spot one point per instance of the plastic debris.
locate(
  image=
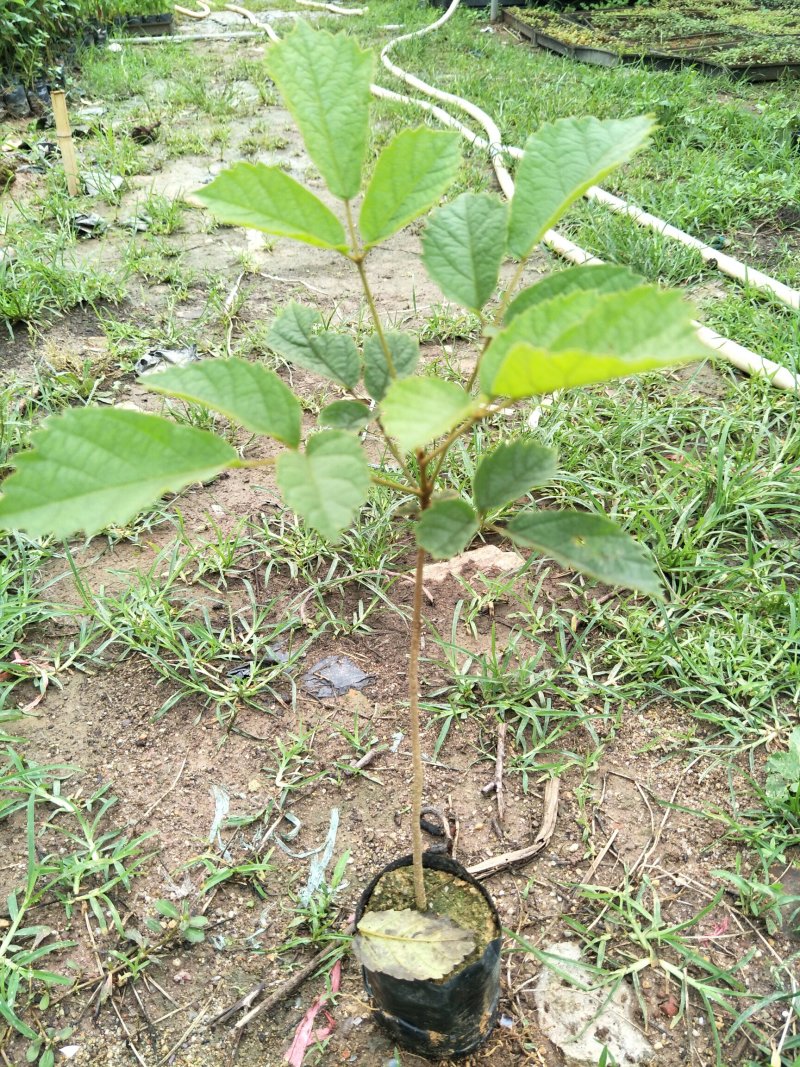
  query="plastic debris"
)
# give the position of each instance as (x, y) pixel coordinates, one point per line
(222, 805)
(69, 1052)
(305, 1033)
(158, 359)
(334, 676)
(318, 867)
(15, 101)
(271, 658)
(88, 225)
(137, 223)
(100, 183)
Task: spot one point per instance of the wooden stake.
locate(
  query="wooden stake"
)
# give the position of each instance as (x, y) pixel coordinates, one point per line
(64, 135)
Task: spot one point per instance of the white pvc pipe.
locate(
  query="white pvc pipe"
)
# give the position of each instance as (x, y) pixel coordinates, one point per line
(333, 8)
(737, 354)
(727, 264)
(202, 14)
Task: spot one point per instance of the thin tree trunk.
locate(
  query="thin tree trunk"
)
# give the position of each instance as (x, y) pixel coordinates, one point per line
(416, 746)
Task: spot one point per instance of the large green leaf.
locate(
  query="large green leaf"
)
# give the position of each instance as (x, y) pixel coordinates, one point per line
(248, 393)
(265, 198)
(599, 279)
(411, 945)
(511, 470)
(94, 466)
(298, 335)
(328, 483)
(346, 415)
(590, 544)
(581, 338)
(404, 350)
(446, 527)
(415, 410)
(463, 247)
(562, 159)
(325, 81)
(412, 172)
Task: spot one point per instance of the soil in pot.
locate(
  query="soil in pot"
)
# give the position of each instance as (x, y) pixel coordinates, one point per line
(451, 1016)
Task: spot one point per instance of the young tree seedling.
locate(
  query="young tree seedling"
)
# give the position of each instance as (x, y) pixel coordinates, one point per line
(91, 467)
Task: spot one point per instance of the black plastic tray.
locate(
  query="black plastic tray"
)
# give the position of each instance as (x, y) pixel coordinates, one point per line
(666, 60)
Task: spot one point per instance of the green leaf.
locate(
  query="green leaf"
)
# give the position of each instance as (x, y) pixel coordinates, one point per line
(193, 936)
(167, 909)
(562, 159)
(463, 247)
(14, 1021)
(298, 336)
(581, 338)
(346, 415)
(783, 768)
(404, 350)
(511, 470)
(415, 410)
(598, 279)
(412, 172)
(48, 1058)
(90, 467)
(328, 483)
(267, 199)
(590, 544)
(446, 527)
(325, 81)
(248, 393)
(411, 945)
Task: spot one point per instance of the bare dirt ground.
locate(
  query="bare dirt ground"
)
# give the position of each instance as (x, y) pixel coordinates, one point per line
(630, 805)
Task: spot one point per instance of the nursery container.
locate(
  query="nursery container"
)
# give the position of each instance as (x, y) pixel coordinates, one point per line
(447, 1017)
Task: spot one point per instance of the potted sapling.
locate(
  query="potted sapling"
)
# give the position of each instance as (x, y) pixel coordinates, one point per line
(428, 934)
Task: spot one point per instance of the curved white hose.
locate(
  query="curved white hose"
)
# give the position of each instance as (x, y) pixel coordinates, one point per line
(202, 14)
(727, 264)
(737, 354)
(333, 8)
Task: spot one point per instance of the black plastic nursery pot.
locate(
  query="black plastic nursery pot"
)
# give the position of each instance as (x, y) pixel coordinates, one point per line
(146, 25)
(443, 1018)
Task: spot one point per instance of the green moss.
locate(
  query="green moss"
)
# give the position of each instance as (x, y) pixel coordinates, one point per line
(447, 896)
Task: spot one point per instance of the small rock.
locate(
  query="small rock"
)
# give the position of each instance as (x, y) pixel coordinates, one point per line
(583, 1023)
(487, 559)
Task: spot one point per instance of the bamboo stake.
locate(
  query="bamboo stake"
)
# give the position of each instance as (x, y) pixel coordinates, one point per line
(64, 135)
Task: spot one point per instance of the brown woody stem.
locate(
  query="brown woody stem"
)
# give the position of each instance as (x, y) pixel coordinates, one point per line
(416, 745)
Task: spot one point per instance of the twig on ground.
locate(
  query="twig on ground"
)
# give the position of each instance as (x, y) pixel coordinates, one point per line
(522, 855)
(128, 1038)
(498, 770)
(148, 1022)
(193, 1025)
(285, 989)
(228, 311)
(163, 796)
(365, 760)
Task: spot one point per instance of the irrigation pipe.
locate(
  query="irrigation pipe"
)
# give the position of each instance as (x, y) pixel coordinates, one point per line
(724, 263)
(335, 9)
(741, 357)
(202, 14)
